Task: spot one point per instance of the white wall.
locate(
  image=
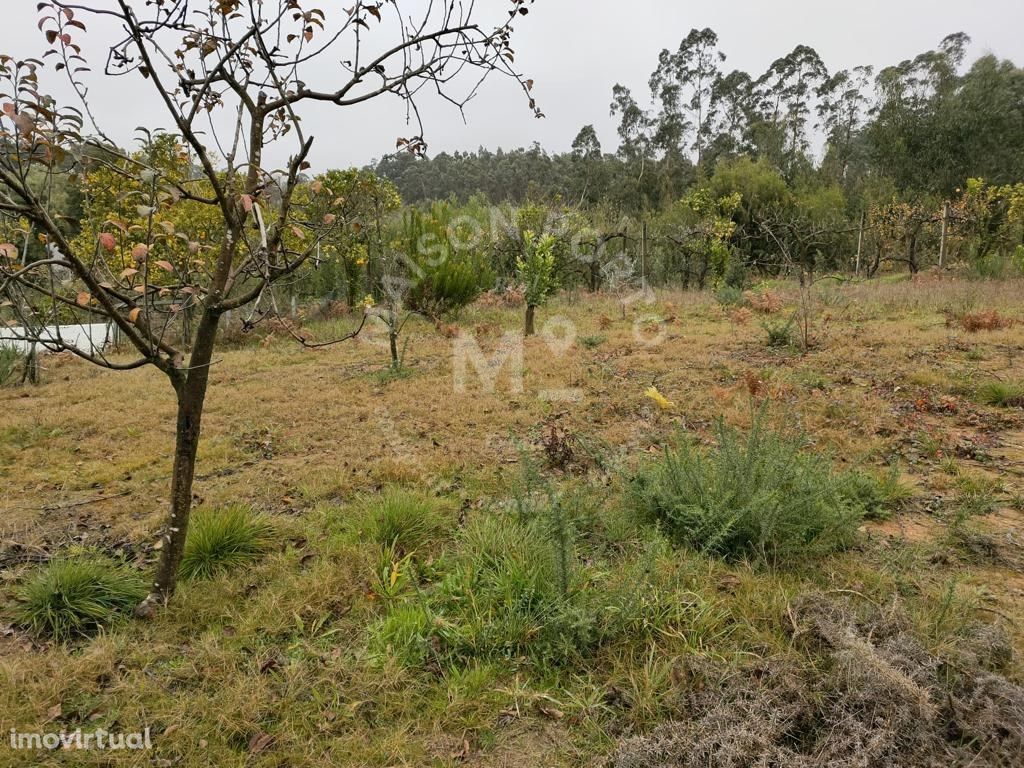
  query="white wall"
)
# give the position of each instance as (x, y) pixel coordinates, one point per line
(87, 338)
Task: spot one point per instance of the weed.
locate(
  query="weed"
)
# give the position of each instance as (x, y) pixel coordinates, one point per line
(593, 342)
(780, 333)
(757, 494)
(876, 493)
(69, 598)
(1002, 394)
(878, 698)
(764, 302)
(976, 496)
(220, 540)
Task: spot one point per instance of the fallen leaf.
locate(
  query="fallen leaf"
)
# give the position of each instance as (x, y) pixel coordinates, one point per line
(260, 742)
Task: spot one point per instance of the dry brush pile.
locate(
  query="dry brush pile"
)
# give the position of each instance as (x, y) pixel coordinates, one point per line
(868, 693)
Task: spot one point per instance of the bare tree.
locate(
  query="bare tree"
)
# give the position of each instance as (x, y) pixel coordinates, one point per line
(232, 77)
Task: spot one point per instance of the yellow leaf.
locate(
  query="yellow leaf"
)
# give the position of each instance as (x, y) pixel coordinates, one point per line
(134, 315)
(659, 399)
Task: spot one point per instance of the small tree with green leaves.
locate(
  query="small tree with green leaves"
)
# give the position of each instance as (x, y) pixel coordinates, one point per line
(536, 270)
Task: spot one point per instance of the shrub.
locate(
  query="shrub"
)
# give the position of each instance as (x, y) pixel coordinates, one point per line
(448, 274)
(69, 598)
(729, 296)
(756, 494)
(780, 334)
(449, 285)
(404, 521)
(765, 303)
(986, 320)
(220, 540)
(10, 360)
(1003, 394)
(740, 315)
(876, 494)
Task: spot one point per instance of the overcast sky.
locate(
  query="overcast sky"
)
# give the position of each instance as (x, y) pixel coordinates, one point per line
(576, 50)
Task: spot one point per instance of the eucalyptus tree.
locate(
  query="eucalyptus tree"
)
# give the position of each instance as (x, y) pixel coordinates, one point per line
(235, 75)
(915, 133)
(844, 104)
(733, 109)
(788, 90)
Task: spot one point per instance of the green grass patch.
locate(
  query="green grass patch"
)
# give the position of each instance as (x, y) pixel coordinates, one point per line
(221, 540)
(533, 585)
(11, 360)
(592, 342)
(72, 598)
(1002, 394)
(404, 521)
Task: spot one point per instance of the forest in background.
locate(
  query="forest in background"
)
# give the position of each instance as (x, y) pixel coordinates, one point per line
(720, 179)
(797, 165)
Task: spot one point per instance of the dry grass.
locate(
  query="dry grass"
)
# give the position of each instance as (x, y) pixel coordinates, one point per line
(304, 436)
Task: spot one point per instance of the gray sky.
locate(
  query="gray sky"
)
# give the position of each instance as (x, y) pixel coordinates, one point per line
(576, 50)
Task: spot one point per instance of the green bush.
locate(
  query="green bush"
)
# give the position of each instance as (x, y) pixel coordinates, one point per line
(451, 268)
(753, 495)
(70, 598)
(729, 296)
(780, 333)
(451, 284)
(220, 540)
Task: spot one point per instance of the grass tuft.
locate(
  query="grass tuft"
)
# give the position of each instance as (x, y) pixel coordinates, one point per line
(72, 598)
(220, 540)
(403, 521)
(1002, 394)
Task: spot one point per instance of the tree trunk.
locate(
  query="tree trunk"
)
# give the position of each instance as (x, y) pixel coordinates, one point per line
(191, 391)
(912, 253)
(393, 340)
(595, 275)
(702, 276)
(530, 330)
